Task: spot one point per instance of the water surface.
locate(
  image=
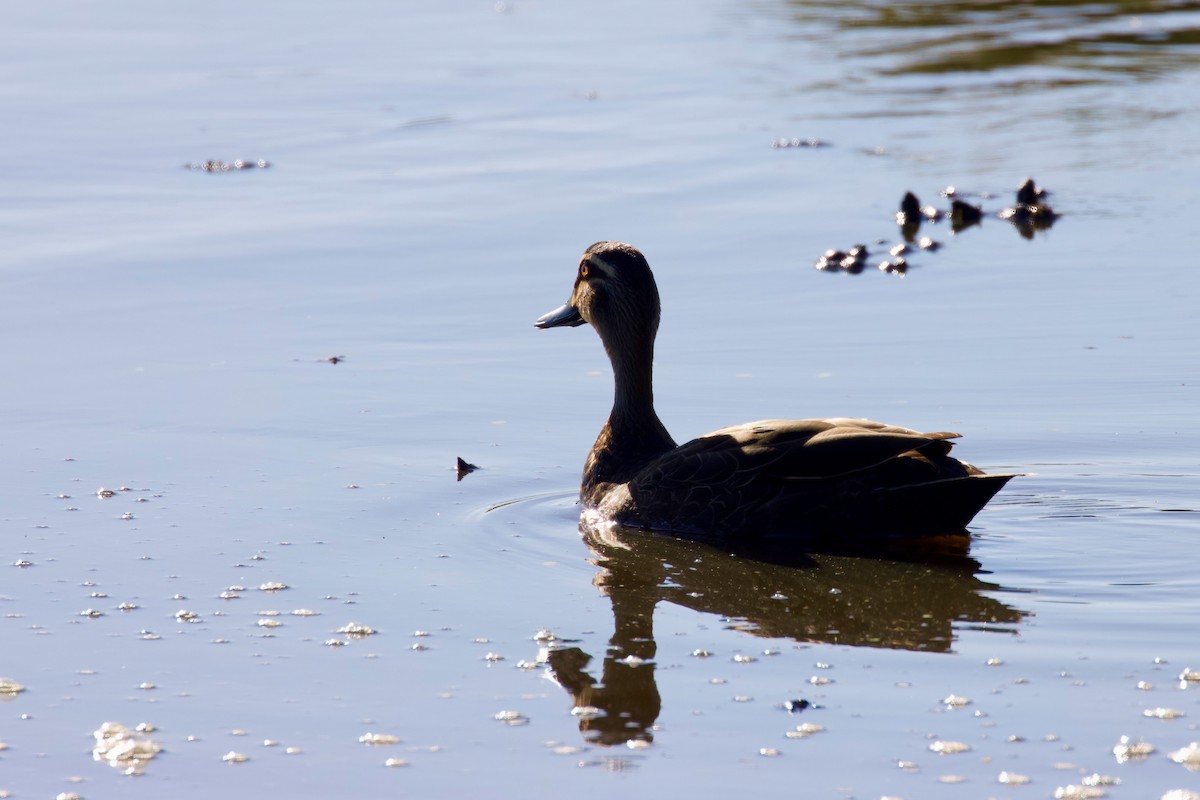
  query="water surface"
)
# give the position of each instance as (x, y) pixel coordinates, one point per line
(434, 174)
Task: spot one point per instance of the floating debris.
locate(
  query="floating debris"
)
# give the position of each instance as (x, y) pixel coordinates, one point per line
(796, 706)
(587, 712)
(743, 659)
(853, 260)
(269, 623)
(304, 612)
(273, 586)
(1128, 750)
(9, 688)
(91, 613)
(1073, 792)
(1029, 193)
(356, 631)
(22, 563)
(1096, 779)
(820, 680)
(545, 636)
(234, 757)
(464, 468)
(955, 701)
(124, 749)
(1028, 219)
(1190, 675)
(1013, 778)
(377, 739)
(780, 144)
(769, 752)
(701, 653)
(925, 243)
(493, 657)
(395, 762)
(214, 165)
(333, 359)
(105, 493)
(1181, 794)
(1145, 686)
(334, 643)
(946, 748)
(804, 731)
(895, 266)
(183, 615)
(1188, 756)
(513, 718)
(909, 216)
(963, 215)
(1162, 713)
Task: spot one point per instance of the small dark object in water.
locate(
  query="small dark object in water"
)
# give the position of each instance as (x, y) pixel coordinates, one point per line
(964, 215)
(781, 143)
(852, 261)
(909, 216)
(1029, 193)
(464, 468)
(796, 706)
(831, 260)
(897, 266)
(1028, 219)
(225, 166)
(334, 359)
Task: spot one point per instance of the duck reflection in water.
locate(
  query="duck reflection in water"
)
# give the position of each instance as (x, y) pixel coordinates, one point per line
(833, 598)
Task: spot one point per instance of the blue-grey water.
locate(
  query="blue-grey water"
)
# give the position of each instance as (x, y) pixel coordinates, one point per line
(434, 171)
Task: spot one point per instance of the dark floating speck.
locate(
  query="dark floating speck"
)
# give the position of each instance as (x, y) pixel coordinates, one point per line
(796, 706)
(1029, 193)
(963, 215)
(464, 468)
(227, 166)
(334, 359)
(785, 143)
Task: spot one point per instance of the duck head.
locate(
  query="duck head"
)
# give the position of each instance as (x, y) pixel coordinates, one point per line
(614, 292)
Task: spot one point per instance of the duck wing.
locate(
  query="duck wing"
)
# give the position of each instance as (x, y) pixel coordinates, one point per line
(775, 474)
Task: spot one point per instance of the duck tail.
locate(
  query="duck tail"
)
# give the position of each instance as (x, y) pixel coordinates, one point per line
(935, 508)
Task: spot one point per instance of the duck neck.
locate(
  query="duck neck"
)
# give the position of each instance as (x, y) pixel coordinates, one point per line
(633, 435)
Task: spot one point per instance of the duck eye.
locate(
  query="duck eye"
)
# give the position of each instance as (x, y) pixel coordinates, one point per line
(583, 270)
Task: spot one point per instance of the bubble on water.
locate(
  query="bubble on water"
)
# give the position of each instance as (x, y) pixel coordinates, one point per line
(1162, 713)
(587, 712)
(123, 749)
(804, 731)
(1127, 750)
(356, 631)
(1013, 778)
(1074, 792)
(513, 718)
(377, 739)
(1188, 756)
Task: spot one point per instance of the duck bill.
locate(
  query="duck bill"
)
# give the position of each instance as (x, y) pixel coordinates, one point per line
(567, 315)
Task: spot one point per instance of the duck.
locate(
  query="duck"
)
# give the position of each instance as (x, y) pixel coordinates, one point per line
(841, 480)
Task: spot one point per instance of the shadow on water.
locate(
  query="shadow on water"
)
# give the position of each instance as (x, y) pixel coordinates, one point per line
(860, 601)
(1138, 38)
